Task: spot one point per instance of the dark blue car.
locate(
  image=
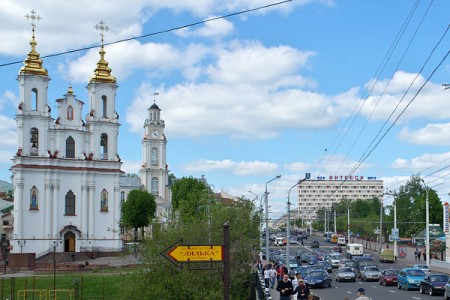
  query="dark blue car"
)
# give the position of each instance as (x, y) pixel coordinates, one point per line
(433, 284)
(318, 278)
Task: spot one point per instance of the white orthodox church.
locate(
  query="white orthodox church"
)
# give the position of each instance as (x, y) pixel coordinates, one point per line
(68, 183)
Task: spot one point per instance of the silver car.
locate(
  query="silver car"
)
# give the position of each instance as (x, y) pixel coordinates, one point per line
(335, 259)
(345, 274)
(370, 273)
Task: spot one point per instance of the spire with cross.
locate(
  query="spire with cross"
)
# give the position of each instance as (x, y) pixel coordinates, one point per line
(102, 72)
(33, 63)
(102, 27)
(33, 16)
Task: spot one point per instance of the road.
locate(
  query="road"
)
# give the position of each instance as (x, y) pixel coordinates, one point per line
(347, 290)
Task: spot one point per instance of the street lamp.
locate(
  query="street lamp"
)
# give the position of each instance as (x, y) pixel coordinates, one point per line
(266, 203)
(427, 222)
(381, 224)
(54, 264)
(21, 243)
(388, 192)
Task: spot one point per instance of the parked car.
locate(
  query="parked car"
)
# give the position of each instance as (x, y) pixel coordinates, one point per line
(433, 284)
(314, 244)
(326, 265)
(389, 277)
(424, 268)
(345, 274)
(370, 273)
(318, 278)
(410, 278)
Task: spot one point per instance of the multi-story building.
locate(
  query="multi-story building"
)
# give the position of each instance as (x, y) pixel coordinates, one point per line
(323, 192)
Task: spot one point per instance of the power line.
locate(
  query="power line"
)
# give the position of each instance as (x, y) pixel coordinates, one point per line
(159, 32)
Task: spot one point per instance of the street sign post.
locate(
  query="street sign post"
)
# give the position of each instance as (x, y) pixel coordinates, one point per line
(196, 253)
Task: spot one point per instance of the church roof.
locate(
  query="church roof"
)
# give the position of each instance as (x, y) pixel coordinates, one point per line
(103, 73)
(154, 106)
(33, 63)
(130, 181)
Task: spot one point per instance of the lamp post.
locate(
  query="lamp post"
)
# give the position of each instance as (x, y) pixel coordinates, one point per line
(388, 192)
(288, 243)
(381, 224)
(266, 203)
(21, 243)
(427, 221)
(54, 264)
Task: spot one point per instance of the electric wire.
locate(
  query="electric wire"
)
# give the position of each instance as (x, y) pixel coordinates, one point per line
(159, 32)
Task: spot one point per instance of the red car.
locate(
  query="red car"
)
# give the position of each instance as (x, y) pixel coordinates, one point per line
(389, 277)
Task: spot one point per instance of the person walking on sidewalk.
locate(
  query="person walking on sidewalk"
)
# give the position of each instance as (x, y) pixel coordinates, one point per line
(415, 253)
(285, 288)
(418, 255)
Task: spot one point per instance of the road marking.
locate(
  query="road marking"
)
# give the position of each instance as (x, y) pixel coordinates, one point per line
(392, 291)
(416, 298)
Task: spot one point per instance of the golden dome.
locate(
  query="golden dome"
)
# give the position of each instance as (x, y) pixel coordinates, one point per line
(102, 73)
(33, 63)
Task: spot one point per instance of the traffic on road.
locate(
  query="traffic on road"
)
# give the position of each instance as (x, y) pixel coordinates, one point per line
(333, 272)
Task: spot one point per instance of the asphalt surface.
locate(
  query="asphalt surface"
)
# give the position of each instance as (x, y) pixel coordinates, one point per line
(347, 290)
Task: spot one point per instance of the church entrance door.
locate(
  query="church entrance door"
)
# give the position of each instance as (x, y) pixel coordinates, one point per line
(69, 242)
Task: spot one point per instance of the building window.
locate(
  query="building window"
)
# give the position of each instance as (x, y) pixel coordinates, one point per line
(154, 186)
(70, 204)
(70, 147)
(34, 198)
(122, 196)
(154, 157)
(70, 112)
(34, 141)
(104, 106)
(104, 146)
(34, 99)
(104, 201)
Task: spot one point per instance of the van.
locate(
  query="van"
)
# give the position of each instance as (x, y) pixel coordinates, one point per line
(334, 238)
(341, 240)
(354, 250)
(387, 255)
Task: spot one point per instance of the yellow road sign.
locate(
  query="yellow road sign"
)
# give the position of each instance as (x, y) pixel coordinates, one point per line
(196, 253)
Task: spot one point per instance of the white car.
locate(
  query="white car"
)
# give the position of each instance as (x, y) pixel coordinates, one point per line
(424, 268)
(335, 259)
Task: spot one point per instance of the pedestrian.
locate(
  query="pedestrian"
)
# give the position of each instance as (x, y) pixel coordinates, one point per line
(415, 253)
(424, 256)
(362, 294)
(273, 277)
(297, 277)
(285, 288)
(302, 290)
(259, 266)
(302, 243)
(418, 255)
(267, 277)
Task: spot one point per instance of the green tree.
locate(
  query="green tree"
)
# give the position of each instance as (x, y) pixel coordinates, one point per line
(138, 211)
(191, 198)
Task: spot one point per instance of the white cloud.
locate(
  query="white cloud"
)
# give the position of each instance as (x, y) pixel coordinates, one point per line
(297, 166)
(431, 134)
(8, 134)
(243, 168)
(422, 162)
(213, 29)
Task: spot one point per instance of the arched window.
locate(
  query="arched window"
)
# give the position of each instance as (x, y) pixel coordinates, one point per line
(34, 99)
(70, 112)
(70, 204)
(154, 156)
(154, 186)
(104, 106)
(104, 201)
(34, 193)
(70, 147)
(34, 141)
(122, 196)
(104, 146)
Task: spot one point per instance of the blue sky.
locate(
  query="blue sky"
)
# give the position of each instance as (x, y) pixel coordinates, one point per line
(259, 94)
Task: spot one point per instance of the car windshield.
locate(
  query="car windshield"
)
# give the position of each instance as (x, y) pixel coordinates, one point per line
(415, 273)
(374, 269)
(315, 274)
(336, 257)
(422, 267)
(323, 263)
(439, 278)
(345, 270)
(391, 272)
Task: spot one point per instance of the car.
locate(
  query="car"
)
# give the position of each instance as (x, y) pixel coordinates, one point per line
(326, 265)
(335, 259)
(314, 244)
(318, 278)
(361, 262)
(312, 259)
(303, 270)
(424, 268)
(343, 261)
(447, 291)
(370, 273)
(410, 278)
(336, 249)
(387, 255)
(389, 277)
(345, 274)
(433, 284)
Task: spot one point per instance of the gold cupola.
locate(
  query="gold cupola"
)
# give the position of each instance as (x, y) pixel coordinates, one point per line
(33, 63)
(102, 73)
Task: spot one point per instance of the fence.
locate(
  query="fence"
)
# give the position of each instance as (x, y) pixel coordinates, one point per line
(61, 287)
